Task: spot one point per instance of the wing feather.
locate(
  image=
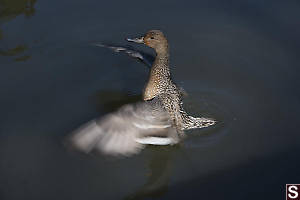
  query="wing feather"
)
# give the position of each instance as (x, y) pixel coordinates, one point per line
(122, 132)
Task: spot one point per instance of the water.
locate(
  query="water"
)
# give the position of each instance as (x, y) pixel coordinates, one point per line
(237, 60)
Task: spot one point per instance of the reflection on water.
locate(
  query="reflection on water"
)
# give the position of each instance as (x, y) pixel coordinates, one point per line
(159, 172)
(10, 9)
(14, 51)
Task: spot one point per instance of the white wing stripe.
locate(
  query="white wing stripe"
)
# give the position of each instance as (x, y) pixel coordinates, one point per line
(155, 141)
(149, 126)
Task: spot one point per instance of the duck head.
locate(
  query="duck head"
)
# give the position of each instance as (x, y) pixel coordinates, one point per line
(154, 39)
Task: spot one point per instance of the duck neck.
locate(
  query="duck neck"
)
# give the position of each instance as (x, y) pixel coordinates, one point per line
(161, 63)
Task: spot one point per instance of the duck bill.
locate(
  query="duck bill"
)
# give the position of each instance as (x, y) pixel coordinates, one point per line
(139, 40)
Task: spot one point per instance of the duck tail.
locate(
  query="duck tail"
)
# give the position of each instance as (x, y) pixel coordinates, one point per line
(198, 122)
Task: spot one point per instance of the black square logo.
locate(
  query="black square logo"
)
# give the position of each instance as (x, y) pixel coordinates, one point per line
(292, 191)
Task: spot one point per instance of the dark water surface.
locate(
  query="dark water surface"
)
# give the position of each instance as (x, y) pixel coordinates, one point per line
(238, 60)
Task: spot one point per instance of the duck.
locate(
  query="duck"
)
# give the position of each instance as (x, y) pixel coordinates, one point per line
(159, 119)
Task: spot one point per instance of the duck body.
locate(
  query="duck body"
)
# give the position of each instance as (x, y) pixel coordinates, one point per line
(159, 120)
(161, 85)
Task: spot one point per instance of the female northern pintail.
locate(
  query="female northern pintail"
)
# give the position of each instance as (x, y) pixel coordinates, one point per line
(159, 120)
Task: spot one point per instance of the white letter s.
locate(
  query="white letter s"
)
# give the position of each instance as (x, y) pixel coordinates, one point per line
(293, 189)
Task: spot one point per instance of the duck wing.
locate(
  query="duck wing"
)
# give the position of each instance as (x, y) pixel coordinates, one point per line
(145, 58)
(126, 131)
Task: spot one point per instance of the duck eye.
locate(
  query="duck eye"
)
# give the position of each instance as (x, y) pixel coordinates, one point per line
(152, 38)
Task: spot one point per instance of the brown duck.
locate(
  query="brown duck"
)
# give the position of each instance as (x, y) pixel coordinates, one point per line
(158, 120)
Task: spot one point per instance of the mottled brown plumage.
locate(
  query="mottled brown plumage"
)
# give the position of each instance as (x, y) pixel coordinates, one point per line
(160, 84)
